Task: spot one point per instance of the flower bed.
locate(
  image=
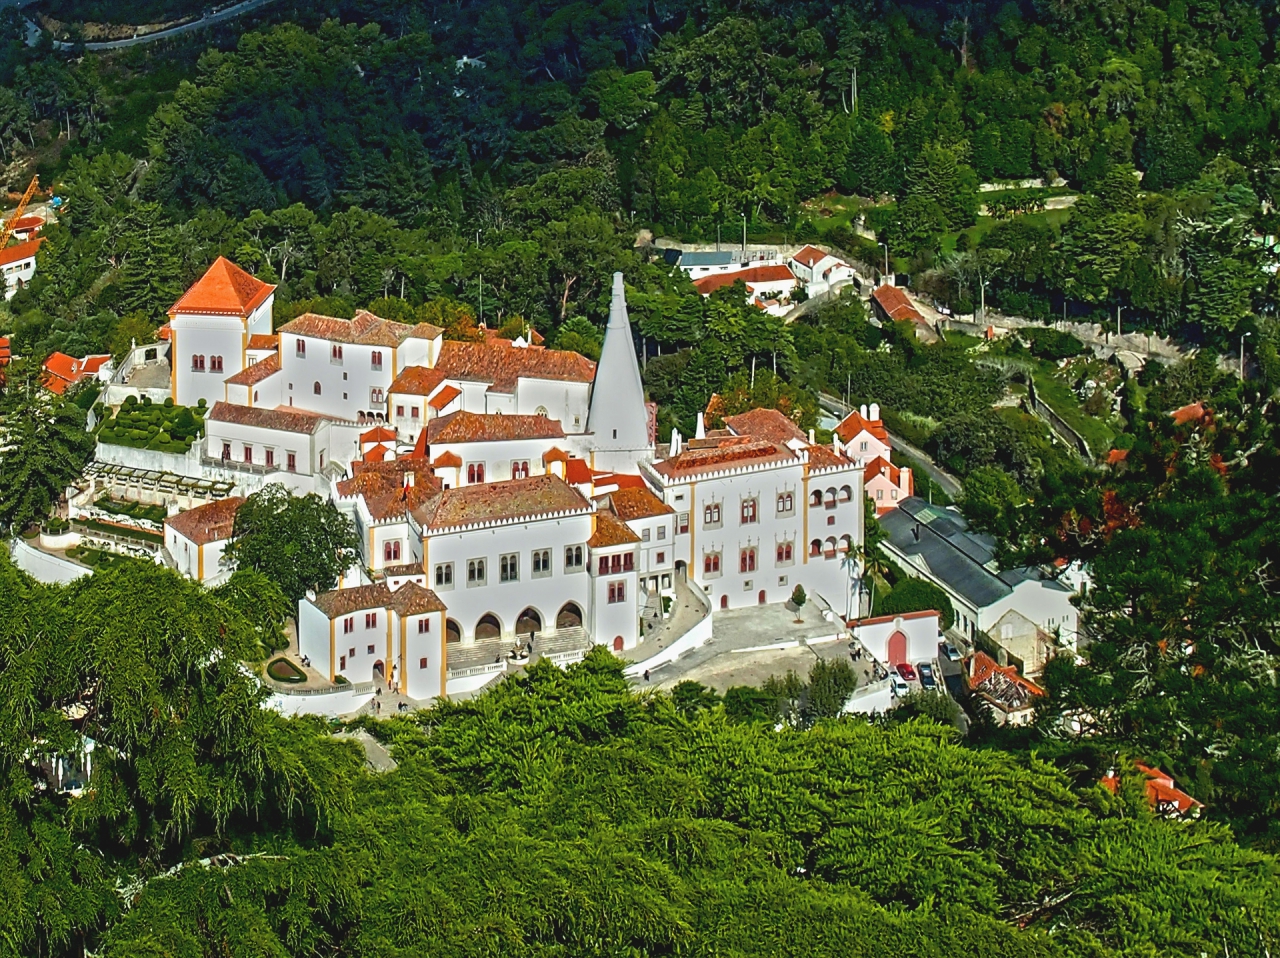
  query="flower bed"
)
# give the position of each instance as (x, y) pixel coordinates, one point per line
(132, 510)
(163, 428)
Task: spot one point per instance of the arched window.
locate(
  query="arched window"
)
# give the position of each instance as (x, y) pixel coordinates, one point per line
(784, 552)
(391, 551)
(815, 547)
(815, 499)
(540, 411)
(197, 364)
(375, 360)
(846, 494)
(215, 364)
(376, 395)
(316, 387)
(475, 472)
(711, 563)
(829, 547)
(747, 560)
(748, 511)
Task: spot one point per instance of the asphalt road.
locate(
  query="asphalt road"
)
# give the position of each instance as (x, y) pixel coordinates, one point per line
(230, 13)
(949, 483)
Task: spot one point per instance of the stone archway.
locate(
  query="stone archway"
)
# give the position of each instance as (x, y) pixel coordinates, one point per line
(529, 621)
(569, 616)
(452, 631)
(489, 627)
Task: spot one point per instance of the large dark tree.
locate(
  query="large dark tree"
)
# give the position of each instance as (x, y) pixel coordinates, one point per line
(299, 542)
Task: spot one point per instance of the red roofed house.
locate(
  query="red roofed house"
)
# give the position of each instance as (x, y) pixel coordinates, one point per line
(887, 484)
(1165, 797)
(654, 524)
(864, 435)
(6, 355)
(196, 539)
(493, 447)
(891, 304)
(1009, 697)
(61, 371)
(27, 227)
(819, 270)
(210, 327)
(769, 287)
(18, 265)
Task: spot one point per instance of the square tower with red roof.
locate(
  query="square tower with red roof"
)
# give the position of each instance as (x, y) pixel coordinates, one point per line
(210, 326)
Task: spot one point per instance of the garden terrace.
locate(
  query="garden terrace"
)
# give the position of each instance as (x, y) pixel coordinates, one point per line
(146, 425)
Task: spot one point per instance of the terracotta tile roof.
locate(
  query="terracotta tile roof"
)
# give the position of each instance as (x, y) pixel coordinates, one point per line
(378, 453)
(20, 251)
(378, 434)
(1117, 456)
(5, 355)
(555, 454)
(224, 290)
(494, 336)
(416, 381)
(905, 616)
(854, 423)
(164, 332)
(342, 602)
(447, 460)
(502, 364)
(365, 329)
(403, 568)
(263, 341)
(445, 396)
(1001, 685)
(577, 472)
(390, 488)
(425, 331)
(63, 371)
(282, 418)
(751, 276)
(879, 465)
(810, 256)
(1162, 794)
(252, 375)
(896, 304)
(496, 501)
(209, 523)
(413, 599)
(824, 457)
(611, 531)
(634, 503)
(28, 223)
(710, 455)
(475, 427)
(768, 424)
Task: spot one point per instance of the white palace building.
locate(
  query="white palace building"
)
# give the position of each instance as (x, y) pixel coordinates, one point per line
(501, 490)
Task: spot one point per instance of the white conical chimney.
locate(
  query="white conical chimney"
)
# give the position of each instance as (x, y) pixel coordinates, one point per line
(811, 437)
(862, 410)
(675, 442)
(875, 412)
(702, 428)
(618, 419)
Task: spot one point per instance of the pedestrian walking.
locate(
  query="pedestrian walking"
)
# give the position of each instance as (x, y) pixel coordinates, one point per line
(646, 675)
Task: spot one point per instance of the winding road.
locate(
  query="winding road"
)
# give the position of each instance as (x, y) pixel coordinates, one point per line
(100, 46)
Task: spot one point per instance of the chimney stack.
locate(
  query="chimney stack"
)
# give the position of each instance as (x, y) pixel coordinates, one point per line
(702, 428)
(875, 412)
(862, 410)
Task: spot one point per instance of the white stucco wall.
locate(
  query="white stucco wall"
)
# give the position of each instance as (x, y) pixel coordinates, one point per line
(205, 336)
(506, 600)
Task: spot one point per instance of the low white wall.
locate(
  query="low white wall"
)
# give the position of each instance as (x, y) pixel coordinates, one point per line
(700, 634)
(877, 697)
(469, 683)
(330, 704)
(181, 465)
(64, 541)
(44, 567)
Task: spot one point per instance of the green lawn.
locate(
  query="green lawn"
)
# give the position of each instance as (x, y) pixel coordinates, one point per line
(1059, 397)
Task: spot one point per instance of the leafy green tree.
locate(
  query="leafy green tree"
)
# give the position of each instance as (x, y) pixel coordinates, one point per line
(918, 595)
(300, 543)
(43, 447)
(990, 500)
(691, 697)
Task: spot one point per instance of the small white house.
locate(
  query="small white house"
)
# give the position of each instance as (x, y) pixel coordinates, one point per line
(18, 264)
(894, 639)
(196, 538)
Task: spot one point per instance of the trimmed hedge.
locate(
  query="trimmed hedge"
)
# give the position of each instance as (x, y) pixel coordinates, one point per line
(282, 670)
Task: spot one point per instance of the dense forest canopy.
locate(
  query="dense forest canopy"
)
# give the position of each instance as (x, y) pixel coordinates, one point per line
(559, 814)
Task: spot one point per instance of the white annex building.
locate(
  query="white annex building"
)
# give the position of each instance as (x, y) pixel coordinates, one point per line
(506, 496)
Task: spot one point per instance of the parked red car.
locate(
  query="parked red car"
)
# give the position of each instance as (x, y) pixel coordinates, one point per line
(907, 672)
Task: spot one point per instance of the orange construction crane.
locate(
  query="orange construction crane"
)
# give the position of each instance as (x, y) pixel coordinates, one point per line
(12, 221)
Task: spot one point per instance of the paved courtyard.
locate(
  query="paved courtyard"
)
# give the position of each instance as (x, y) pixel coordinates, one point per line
(749, 645)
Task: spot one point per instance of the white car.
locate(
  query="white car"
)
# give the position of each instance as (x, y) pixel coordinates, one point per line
(898, 685)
